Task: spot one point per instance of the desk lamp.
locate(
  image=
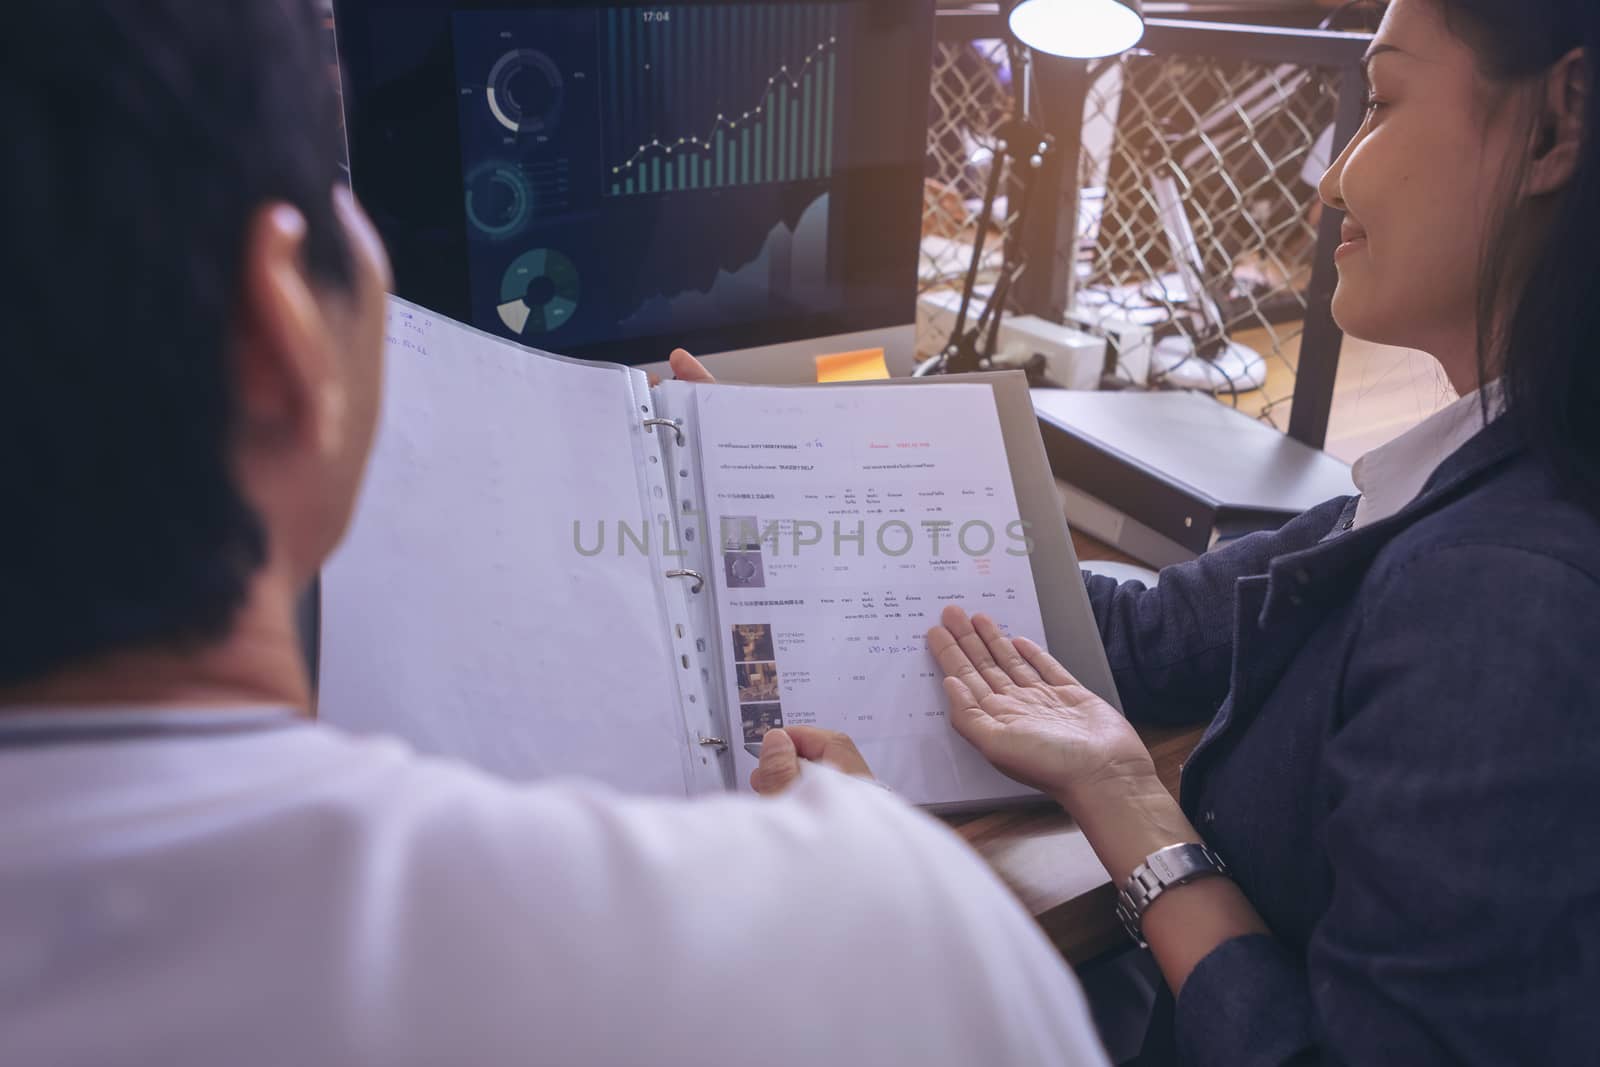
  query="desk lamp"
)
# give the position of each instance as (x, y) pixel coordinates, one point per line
(1091, 29)
(1078, 29)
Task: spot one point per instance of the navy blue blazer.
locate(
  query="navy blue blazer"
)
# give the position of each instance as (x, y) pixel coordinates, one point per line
(1403, 773)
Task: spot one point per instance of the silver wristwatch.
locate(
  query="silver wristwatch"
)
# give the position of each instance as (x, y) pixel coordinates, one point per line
(1160, 871)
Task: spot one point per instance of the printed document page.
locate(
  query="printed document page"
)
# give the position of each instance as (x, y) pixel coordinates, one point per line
(482, 605)
(847, 519)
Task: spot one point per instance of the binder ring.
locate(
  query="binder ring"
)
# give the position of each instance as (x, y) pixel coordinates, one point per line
(676, 424)
(713, 742)
(699, 579)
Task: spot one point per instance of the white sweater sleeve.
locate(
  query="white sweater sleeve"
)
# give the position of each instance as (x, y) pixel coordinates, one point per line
(834, 925)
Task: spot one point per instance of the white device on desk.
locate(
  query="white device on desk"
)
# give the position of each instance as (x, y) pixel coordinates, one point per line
(1165, 476)
(1073, 359)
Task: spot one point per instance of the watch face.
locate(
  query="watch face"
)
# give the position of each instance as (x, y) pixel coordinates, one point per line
(1182, 863)
(1162, 865)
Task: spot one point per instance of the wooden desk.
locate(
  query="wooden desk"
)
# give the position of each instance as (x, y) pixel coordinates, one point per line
(1048, 864)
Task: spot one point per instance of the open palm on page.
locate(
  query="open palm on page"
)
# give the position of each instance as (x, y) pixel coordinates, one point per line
(1027, 714)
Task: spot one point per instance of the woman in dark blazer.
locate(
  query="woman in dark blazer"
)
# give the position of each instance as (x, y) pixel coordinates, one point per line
(1402, 776)
(1403, 688)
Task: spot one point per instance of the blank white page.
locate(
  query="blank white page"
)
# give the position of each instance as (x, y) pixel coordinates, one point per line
(459, 613)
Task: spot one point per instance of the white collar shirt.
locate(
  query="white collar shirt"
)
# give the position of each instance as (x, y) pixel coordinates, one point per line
(1390, 476)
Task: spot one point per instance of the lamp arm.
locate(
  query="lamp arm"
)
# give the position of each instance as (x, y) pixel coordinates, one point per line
(985, 219)
(1022, 143)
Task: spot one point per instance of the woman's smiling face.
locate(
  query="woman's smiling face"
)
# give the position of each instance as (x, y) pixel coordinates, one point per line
(1419, 184)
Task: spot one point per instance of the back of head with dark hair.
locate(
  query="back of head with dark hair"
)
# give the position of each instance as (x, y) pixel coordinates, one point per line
(1549, 343)
(141, 140)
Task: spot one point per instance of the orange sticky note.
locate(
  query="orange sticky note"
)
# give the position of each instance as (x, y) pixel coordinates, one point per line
(864, 366)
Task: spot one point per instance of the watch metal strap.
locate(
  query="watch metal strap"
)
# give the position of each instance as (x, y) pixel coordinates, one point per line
(1163, 869)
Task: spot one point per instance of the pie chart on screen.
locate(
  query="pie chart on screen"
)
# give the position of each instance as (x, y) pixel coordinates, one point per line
(539, 292)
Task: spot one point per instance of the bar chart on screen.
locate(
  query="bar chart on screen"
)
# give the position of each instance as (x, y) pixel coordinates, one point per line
(718, 96)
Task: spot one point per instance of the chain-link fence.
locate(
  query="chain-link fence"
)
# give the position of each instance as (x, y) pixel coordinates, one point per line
(1198, 212)
(1204, 212)
(971, 97)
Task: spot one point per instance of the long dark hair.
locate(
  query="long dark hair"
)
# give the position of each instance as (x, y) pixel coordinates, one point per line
(1539, 305)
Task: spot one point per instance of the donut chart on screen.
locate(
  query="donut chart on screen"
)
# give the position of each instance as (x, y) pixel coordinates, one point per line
(539, 292)
(525, 91)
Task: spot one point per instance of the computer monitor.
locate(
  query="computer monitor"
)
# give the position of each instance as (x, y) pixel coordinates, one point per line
(612, 180)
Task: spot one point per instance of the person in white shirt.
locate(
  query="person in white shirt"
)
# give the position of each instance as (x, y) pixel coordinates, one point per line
(233, 885)
(192, 871)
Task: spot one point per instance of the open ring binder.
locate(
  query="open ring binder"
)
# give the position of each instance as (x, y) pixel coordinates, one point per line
(790, 637)
(676, 424)
(699, 579)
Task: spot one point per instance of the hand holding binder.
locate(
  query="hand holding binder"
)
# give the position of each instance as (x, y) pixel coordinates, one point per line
(783, 752)
(685, 368)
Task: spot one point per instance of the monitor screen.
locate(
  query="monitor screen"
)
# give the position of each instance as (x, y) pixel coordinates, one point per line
(609, 181)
